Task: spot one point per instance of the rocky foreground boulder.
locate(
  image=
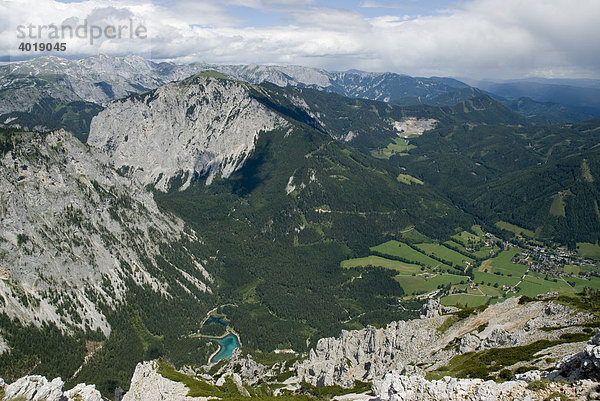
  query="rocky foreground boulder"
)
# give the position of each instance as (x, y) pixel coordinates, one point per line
(397, 387)
(38, 388)
(583, 365)
(148, 385)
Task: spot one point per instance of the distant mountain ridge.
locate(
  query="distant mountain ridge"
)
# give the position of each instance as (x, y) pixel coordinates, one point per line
(26, 87)
(546, 112)
(584, 98)
(100, 79)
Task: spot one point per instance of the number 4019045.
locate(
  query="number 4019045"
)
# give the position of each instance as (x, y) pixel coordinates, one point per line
(43, 47)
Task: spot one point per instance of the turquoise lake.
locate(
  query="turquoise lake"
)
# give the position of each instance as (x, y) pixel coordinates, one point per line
(227, 344)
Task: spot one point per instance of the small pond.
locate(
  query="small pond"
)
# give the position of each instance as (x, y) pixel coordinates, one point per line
(227, 345)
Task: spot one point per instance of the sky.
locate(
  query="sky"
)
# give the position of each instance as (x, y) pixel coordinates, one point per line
(475, 39)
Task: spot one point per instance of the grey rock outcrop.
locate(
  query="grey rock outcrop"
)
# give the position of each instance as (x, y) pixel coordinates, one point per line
(433, 308)
(200, 126)
(149, 385)
(84, 392)
(251, 371)
(530, 376)
(397, 387)
(244, 367)
(469, 343)
(369, 353)
(35, 388)
(498, 338)
(583, 365)
(38, 388)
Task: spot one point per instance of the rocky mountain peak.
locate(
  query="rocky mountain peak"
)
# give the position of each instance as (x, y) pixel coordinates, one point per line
(203, 126)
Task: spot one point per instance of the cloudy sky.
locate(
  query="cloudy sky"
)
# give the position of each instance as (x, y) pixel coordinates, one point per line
(469, 38)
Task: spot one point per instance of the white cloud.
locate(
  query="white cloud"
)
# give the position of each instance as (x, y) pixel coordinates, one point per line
(265, 4)
(479, 38)
(410, 4)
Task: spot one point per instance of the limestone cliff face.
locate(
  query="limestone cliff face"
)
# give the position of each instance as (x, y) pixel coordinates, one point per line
(200, 126)
(73, 232)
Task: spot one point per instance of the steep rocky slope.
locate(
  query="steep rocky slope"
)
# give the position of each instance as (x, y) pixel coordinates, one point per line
(208, 125)
(75, 236)
(148, 384)
(582, 365)
(419, 345)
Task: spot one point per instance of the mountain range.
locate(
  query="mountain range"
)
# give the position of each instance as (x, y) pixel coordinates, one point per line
(141, 199)
(37, 93)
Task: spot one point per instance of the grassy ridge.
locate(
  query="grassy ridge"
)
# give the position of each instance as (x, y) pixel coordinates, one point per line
(483, 364)
(503, 225)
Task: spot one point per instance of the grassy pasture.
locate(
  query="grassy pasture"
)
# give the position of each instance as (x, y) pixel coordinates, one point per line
(532, 286)
(572, 269)
(515, 229)
(466, 237)
(477, 230)
(408, 179)
(588, 250)
(468, 300)
(398, 146)
(444, 253)
(581, 283)
(557, 208)
(420, 273)
(421, 284)
(491, 279)
(483, 252)
(412, 234)
(372, 260)
(399, 249)
(502, 264)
